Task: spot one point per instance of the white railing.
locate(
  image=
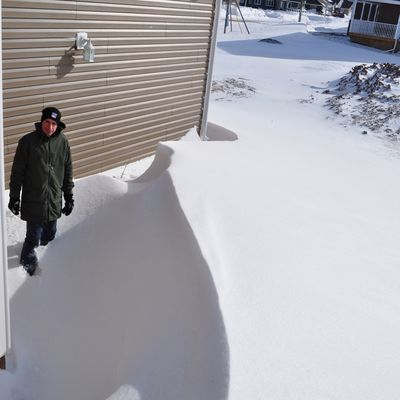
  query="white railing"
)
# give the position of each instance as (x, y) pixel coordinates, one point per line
(373, 28)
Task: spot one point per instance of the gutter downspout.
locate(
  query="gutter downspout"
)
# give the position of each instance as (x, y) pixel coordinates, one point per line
(210, 70)
(3, 237)
(396, 36)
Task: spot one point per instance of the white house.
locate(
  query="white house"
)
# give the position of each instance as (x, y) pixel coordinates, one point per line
(376, 23)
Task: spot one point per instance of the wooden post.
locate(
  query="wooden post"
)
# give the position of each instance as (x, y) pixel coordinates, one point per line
(301, 9)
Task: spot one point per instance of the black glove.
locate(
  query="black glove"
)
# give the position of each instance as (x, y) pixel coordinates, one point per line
(69, 204)
(13, 205)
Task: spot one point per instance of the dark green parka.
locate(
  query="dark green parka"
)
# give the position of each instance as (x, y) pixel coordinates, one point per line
(43, 168)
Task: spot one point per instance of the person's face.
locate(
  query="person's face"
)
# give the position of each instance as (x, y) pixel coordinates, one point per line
(49, 126)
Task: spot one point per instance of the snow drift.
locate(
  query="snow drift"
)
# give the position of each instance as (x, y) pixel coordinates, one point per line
(125, 297)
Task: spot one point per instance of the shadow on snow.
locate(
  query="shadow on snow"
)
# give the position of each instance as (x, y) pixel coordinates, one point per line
(306, 46)
(125, 298)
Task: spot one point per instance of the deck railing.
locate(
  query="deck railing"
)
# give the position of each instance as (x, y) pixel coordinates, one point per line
(373, 28)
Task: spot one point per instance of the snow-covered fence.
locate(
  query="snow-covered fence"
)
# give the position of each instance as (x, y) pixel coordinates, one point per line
(373, 28)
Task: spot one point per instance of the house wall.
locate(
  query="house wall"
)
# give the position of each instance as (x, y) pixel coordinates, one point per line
(372, 41)
(147, 82)
(388, 13)
(378, 27)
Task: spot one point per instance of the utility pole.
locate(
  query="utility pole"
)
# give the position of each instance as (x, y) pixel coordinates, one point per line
(301, 9)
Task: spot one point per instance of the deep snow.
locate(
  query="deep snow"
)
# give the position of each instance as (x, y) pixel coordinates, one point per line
(259, 268)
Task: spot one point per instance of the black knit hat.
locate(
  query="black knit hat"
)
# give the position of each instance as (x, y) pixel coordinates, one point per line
(54, 114)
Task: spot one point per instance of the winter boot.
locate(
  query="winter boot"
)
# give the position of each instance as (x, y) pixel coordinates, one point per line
(30, 268)
(29, 258)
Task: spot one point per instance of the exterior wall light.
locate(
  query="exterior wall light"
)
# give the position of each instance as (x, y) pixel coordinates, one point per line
(84, 43)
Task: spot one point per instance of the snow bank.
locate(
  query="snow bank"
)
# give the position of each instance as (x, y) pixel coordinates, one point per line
(303, 252)
(310, 18)
(125, 392)
(274, 274)
(124, 297)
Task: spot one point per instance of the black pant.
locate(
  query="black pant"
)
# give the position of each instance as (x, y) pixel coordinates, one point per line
(36, 233)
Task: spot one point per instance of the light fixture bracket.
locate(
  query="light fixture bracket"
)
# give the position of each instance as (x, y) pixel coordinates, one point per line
(81, 40)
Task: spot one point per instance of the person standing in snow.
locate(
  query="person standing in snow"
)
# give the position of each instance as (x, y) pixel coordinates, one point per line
(42, 168)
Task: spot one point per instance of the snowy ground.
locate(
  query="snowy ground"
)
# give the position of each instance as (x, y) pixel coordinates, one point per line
(262, 264)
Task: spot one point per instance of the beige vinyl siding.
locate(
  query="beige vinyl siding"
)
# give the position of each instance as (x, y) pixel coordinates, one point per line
(147, 82)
